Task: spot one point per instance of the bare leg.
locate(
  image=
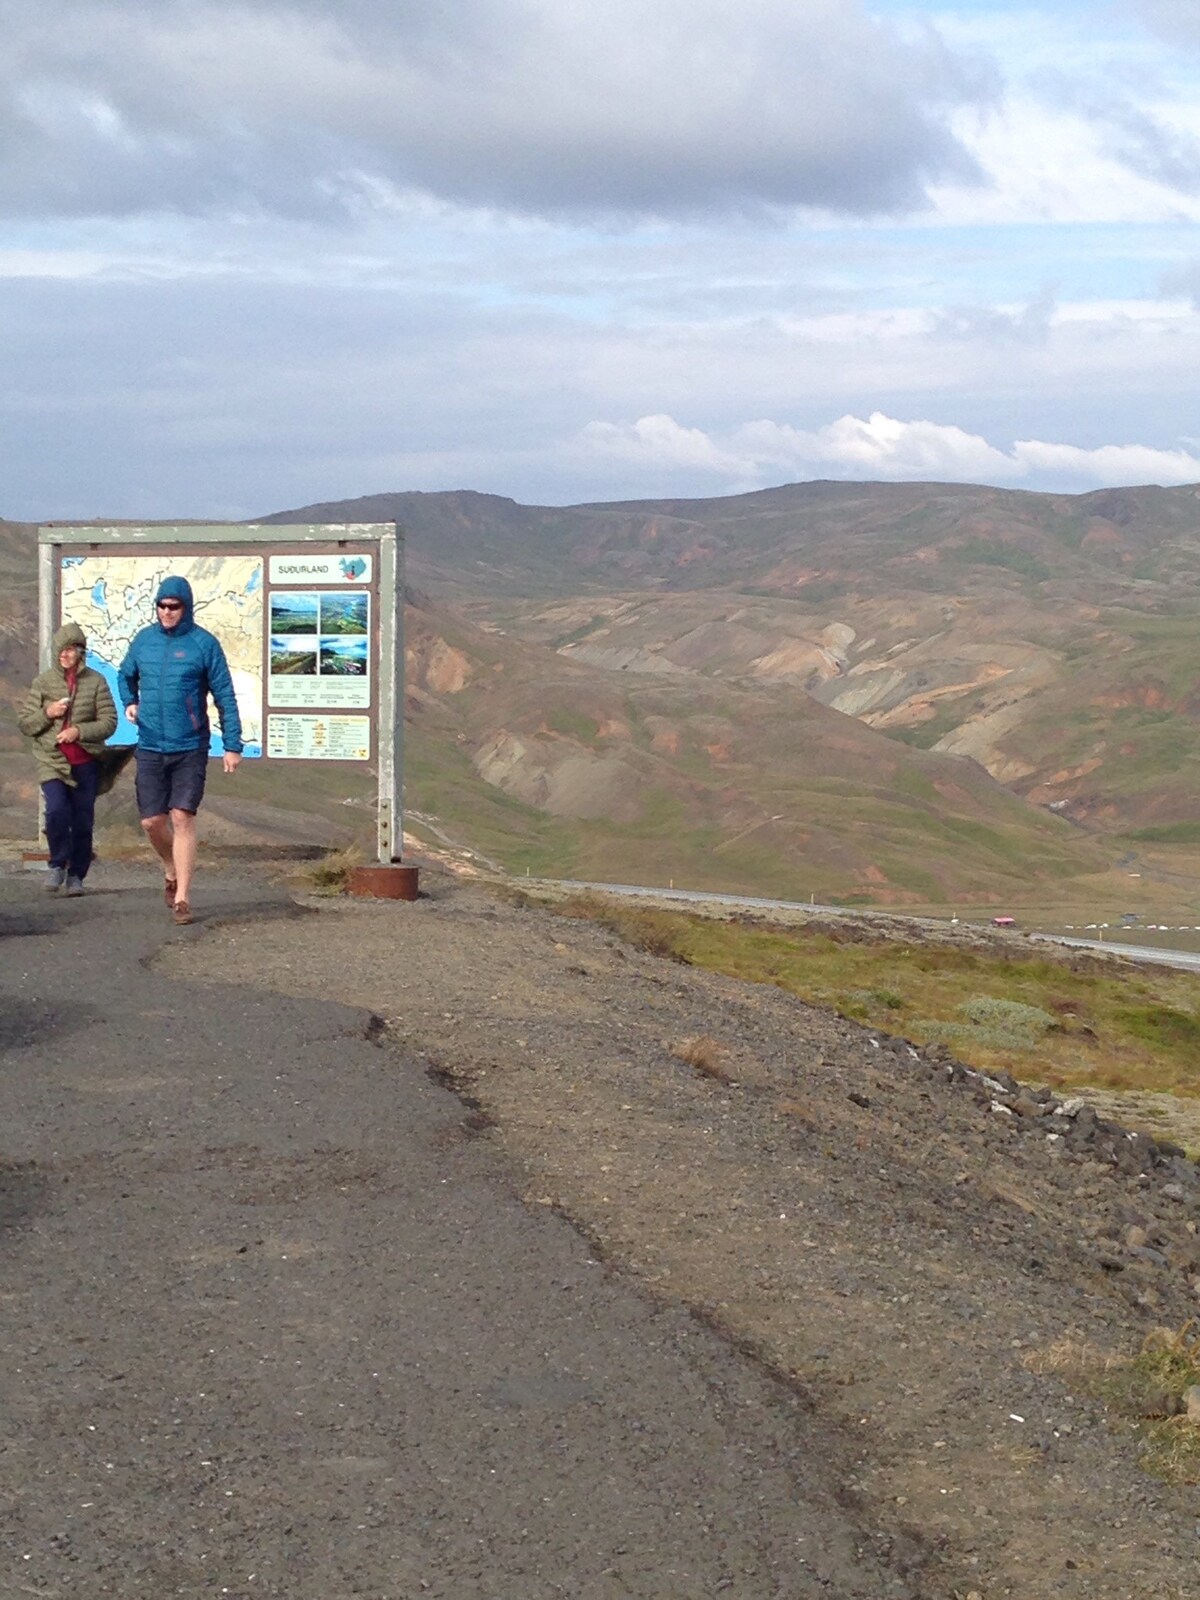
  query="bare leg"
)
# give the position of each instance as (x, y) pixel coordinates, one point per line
(183, 824)
(158, 831)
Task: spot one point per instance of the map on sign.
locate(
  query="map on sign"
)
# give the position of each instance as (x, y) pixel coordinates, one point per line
(111, 597)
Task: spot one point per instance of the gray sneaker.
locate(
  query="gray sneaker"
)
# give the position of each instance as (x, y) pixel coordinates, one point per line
(55, 878)
(74, 885)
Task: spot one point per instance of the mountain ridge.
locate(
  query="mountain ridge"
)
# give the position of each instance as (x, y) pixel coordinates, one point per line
(646, 685)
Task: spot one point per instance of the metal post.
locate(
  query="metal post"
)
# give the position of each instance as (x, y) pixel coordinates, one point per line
(390, 822)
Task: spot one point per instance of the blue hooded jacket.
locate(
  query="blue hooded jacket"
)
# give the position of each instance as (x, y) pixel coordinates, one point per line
(169, 674)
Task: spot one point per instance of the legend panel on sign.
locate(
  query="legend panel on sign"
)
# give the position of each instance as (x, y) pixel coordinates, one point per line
(313, 738)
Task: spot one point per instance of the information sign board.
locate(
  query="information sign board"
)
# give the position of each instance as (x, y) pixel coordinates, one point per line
(310, 618)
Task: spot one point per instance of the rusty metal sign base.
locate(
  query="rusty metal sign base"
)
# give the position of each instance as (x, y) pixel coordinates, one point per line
(394, 882)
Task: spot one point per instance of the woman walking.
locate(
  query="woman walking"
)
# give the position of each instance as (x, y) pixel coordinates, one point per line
(68, 714)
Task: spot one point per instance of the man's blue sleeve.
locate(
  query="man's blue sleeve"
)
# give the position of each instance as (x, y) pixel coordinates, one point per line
(127, 677)
(220, 686)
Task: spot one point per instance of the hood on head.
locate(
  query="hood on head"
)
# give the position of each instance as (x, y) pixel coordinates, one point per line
(177, 589)
(69, 633)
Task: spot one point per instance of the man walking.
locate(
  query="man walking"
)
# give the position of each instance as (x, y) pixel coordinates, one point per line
(165, 680)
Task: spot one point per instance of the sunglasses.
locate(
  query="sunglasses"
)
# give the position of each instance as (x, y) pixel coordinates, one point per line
(169, 605)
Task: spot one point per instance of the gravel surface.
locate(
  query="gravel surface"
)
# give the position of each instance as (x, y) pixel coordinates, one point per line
(278, 1319)
(903, 1244)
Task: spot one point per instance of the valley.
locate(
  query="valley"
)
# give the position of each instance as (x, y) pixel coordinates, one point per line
(908, 695)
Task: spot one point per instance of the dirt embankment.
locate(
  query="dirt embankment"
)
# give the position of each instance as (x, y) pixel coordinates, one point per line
(907, 1243)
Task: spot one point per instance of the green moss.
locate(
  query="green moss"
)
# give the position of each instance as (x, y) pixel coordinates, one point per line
(1168, 833)
(1162, 1027)
(572, 724)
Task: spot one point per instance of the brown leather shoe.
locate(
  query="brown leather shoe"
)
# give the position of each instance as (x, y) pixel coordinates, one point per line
(183, 913)
(169, 888)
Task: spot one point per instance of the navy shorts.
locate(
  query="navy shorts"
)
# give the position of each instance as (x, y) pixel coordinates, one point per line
(170, 781)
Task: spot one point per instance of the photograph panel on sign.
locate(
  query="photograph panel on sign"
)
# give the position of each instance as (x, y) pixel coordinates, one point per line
(345, 613)
(293, 655)
(344, 655)
(294, 613)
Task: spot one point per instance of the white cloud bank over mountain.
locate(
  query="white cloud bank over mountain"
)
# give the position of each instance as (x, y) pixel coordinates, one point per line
(879, 447)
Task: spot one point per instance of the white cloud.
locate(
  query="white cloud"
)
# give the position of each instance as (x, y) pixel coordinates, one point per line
(1175, 19)
(1051, 162)
(1110, 464)
(550, 107)
(881, 447)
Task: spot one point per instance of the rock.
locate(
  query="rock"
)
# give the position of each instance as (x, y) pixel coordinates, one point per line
(1154, 1257)
(1136, 1238)
(1191, 1400)
(1026, 1106)
(1160, 1403)
(1172, 1191)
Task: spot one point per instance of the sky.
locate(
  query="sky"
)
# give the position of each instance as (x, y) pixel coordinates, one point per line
(260, 253)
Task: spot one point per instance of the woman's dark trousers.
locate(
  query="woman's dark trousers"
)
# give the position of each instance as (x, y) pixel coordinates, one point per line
(70, 816)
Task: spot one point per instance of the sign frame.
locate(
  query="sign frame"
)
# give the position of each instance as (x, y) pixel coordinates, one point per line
(385, 542)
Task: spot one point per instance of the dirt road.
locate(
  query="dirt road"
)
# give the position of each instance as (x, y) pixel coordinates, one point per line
(278, 1320)
(862, 1220)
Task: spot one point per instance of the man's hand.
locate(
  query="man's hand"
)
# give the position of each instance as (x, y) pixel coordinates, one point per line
(230, 761)
(67, 735)
(131, 713)
(57, 708)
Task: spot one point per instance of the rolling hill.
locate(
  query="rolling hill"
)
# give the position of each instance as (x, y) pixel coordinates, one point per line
(892, 693)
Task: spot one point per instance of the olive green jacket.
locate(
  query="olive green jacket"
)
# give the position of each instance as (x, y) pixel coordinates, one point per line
(92, 711)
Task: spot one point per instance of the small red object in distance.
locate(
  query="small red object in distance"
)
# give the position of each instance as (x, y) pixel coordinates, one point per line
(1004, 922)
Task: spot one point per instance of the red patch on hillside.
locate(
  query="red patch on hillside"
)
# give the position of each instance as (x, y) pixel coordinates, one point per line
(1147, 696)
(1101, 536)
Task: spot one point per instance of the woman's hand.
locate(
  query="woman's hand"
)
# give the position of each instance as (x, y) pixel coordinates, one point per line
(67, 736)
(57, 708)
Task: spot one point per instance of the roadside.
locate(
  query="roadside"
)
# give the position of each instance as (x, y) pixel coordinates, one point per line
(854, 1213)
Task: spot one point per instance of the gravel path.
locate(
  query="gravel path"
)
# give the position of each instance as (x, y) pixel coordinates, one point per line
(277, 1320)
(859, 1217)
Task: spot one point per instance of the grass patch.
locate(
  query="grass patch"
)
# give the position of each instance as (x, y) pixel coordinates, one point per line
(1168, 833)
(705, 1055)
(1162, 1027)
(1147, 1391)
(331, 874)
(573, 724)
(1064, 1021)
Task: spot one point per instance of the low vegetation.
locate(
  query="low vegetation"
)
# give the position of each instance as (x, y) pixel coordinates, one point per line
(705, 1055)
(1064, 1020)
(332, 873)
(1150, 1391)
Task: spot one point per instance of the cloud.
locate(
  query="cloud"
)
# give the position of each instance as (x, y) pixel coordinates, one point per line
(1029, 324)
(540, 107)
(1184, 279)
(1175, 19)
(881, 447)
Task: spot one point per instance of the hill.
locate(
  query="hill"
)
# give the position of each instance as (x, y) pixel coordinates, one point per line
(893, 693)
(1049, 637)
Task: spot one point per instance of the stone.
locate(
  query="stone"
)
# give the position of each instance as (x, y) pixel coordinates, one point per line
(1191, 1400)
